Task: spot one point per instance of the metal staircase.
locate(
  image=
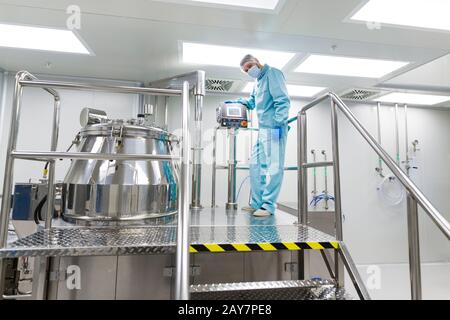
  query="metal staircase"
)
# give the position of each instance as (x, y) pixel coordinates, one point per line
(304, 289)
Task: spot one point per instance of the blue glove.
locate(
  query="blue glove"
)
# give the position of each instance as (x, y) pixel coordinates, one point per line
(276, 133)
(230, 101)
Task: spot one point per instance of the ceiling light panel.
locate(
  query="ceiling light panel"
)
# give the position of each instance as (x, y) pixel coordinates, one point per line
(294, 90)
(257, 4)
(37, 38)
(206, 54)
(413, 98)
(348, 66)
(430, 14)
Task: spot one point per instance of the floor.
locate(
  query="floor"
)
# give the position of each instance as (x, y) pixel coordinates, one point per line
(391, 281)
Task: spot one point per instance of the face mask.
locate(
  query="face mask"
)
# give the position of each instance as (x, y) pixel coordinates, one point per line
(254, 72)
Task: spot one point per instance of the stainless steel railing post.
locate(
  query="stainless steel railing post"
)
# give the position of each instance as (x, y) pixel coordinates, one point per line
(337, 189)
(302, 158)
(414, 249)
(197, 154)
(51, 171)
(397, 136)
(232, 163)
(214, 169)
(9, 170)
(182, 254)
(337, 174)
(302, 187)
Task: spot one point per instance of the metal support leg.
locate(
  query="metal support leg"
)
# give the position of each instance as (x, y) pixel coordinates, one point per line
(337, 187)
(327, 264)
(302, 187)
(231, 202)
(197, 154)
(182, 254)
(214, 169)
(8, 177)
(414, 249)
(353, 272)
(302, 172)
(397, 136)
(51, 172)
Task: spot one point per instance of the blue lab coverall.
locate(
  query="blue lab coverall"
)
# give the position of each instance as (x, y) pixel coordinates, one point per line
(271, 100)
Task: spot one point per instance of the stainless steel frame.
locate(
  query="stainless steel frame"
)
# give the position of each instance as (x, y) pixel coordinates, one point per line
(25, 79)
(232, 166)
(196, 81)
(415, 195)
(232, 163)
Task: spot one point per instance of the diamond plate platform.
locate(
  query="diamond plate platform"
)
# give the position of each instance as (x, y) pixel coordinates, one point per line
(87, 241)
(273, 290)
(235, 232)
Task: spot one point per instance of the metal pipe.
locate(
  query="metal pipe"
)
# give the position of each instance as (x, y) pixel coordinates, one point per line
(417, 194)
(9, 170)
(50, 195)
(397, 136)
(414, 249)
(314, 192)
(319, 164)
(231, 202)
(3, 100)
(407, 166)
(92, 87)
(51, 171)
(197, 155)
(302, 187)
(45, 155)
(166, 112)
(197, 82)
(337, 188)
(337, 174)
(327, 264)
(214, 169)
(183, 239)
(316, 101)
(325, 179)
(302, 157)
(353, 272)
(380, 161)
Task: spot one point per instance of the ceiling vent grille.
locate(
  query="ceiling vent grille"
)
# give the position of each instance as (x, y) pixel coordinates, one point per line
(360, 94)
(219, 85)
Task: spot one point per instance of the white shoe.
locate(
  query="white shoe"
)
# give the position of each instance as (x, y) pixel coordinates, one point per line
(261, 213)
(248, 209)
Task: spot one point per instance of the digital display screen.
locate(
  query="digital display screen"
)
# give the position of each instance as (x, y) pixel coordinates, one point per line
(234, 112)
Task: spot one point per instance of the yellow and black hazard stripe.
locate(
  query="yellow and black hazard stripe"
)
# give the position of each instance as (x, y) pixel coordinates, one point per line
(291, 246)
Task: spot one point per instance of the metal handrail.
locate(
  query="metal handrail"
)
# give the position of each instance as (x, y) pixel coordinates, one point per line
(418, 195)
(415, 195)
(25, 79)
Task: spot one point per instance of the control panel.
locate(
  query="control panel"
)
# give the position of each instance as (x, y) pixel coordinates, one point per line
(232, 115)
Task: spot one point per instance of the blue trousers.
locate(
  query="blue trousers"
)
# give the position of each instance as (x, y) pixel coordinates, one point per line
(267, 168)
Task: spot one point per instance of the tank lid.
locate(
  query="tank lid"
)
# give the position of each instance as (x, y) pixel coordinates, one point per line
(128, 128)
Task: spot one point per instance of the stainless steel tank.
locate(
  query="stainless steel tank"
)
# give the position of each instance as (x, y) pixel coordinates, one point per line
(121, 191)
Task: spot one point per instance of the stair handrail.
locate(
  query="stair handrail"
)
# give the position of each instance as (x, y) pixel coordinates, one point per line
(415, 195)
(409, 185)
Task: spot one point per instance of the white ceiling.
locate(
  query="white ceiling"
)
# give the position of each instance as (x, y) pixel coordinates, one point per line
(140, 40)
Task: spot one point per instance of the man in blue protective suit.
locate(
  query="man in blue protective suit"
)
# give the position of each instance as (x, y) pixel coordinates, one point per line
(271, 100)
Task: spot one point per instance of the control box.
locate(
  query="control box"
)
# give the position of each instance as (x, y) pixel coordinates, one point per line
(232, 115)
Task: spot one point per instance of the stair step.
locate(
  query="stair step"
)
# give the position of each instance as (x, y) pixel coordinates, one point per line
(271, 290)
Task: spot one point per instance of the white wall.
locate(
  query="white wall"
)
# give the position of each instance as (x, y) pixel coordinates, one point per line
(36, 117)
(374, 231)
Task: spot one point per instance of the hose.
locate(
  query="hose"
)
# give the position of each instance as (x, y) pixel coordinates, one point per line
(38, 211)
(240, 187)
(396, 199)
(317, 199)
